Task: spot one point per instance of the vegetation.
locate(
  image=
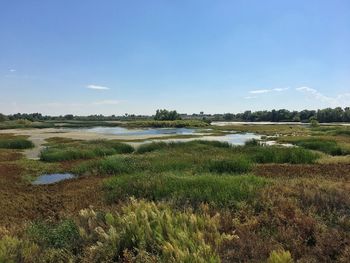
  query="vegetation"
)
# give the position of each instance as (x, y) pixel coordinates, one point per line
(165, 115)
(14, 142)
(83, 150)
(198, 201)
(141, 232)
(219, 191)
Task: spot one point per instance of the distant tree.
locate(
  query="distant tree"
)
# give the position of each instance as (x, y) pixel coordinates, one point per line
(2, 117)
(69, 117)
(165, 115)
(229, 116)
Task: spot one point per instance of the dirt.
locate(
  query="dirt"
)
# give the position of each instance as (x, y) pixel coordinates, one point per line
(21, 202)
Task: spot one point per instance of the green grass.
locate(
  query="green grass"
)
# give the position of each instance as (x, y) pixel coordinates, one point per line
(239, 164)
(83, 150)
(196, 157)
(15, 143)
(272, 154)
(220, 191)
(327, 146)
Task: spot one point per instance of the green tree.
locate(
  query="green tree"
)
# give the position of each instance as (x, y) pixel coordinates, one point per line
(165, 115)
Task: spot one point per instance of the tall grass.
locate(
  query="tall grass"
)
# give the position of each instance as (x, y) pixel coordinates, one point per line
(239, 164)
(267, 154)
(15, 143)
(84, 150)
(327, 146)
(219, 191)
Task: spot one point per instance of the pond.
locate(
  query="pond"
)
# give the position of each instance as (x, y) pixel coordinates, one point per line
(148, 131)
(52, 178)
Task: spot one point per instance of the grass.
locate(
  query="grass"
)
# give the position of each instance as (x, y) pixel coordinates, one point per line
(329, 147)
(195, 157)
(83, 150)
(219, 191)
(14, 142)
(239, 165)
(326, 144)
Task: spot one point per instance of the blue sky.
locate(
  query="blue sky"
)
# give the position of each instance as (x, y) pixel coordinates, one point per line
(116, 57)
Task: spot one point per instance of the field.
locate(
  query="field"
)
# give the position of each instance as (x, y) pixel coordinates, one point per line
(193, 201)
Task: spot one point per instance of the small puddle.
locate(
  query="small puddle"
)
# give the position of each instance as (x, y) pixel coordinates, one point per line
(52, 178)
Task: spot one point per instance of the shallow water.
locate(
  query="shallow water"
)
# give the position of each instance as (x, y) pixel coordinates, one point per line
(52, 178)
(149, 131)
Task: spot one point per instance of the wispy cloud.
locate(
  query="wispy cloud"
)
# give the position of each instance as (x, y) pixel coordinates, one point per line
(314, 94)
(97, 87)
(12, 70)
(250, 97)
(261, 91)
(106, 102)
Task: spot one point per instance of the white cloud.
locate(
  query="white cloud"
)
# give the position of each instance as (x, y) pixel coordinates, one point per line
(106, 102)
(96, 87)
(280, 89)
(250, 97)
(261, 91)
(339, 100)
(12, 70)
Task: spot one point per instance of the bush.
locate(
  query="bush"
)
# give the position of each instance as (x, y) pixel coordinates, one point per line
(222, 191)
(239, 164)
(146, 232)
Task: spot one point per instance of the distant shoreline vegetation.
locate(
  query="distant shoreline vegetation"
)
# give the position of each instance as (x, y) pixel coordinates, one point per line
(162, 115)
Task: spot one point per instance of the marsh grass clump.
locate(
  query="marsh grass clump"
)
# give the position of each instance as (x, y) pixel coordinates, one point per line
(15, 143)
(73, 150)
(150, 147)
(219, 191)
(238, 164)
(327, 146)
(270, 154)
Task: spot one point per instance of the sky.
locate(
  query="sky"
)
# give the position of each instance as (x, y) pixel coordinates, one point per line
(114, 57)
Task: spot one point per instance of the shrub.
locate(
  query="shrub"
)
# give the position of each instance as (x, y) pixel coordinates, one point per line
(146, 232)
(239, 164)
(222, 191)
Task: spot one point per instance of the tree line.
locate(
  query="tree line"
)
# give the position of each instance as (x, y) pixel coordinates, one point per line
(337, 114)
(322, 115)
